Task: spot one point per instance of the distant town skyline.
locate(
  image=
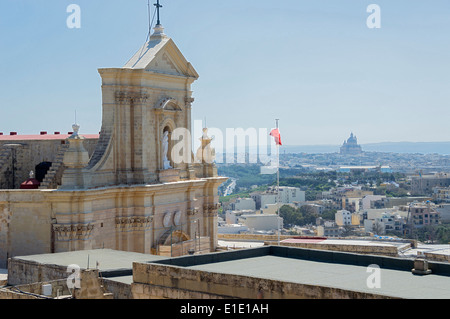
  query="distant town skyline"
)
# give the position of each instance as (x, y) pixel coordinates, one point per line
(316, 66)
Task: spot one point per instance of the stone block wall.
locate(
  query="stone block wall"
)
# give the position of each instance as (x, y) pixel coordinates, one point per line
(22, 272)
(119, 290)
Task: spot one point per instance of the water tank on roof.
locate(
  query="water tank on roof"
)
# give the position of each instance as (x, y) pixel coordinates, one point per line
(47, 290)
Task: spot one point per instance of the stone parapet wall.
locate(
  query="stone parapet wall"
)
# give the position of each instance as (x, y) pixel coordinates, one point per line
(437, 257)
(119, 290)
(360, 249)
(144, 291)
(11, 294)
(250, 237)
(24, 272)
(91, 286)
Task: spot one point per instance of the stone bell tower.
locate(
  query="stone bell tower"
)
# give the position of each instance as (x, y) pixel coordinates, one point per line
(130, 194)
(143, 103)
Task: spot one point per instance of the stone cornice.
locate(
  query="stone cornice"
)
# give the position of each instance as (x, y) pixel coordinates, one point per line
(110, 191)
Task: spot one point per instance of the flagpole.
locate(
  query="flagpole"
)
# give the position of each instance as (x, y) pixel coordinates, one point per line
(278, 187)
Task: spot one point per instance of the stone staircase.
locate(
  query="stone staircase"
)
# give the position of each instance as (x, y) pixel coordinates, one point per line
(53, 177)
(100, 149)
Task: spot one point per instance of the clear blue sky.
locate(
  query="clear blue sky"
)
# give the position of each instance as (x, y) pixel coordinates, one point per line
(314, 64)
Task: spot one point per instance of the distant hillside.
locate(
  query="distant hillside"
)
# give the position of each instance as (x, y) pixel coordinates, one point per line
(442, 148)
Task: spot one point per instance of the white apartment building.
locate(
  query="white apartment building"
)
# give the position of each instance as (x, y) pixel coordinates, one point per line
(232, 229)
(244, 204)
(264, 199)
(258, 222)
(288, 195)
(367, 201)
(388, 222)
(345, 218)
(232, 216)
(329, 229)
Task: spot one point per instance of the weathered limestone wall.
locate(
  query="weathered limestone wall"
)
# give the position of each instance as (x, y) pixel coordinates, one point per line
(7, 293)
(25, 223)
(129, 218)
(91, 287)
(119, 290)
(198, 245)
(437, 257)
(164, 281)
(21, 272)
(59, 288)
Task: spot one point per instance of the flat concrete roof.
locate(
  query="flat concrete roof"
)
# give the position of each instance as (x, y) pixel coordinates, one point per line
(341, 270)
(109, 260)
(394, 283)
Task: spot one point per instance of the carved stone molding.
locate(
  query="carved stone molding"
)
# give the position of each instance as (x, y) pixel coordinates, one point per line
(210, 210)
(128, 97)
(189, 101)
(73, 231)
(191, 211)
(208, 207)
(133, 222)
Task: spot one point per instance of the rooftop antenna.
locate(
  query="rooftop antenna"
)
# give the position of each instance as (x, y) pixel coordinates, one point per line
(149, 18)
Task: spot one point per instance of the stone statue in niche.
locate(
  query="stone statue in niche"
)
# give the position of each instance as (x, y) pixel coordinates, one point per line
(165, 144)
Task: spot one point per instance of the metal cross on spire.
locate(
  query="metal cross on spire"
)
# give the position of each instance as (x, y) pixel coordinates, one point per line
(157, 5)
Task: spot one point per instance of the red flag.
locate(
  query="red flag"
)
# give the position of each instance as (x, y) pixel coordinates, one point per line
(276, 134)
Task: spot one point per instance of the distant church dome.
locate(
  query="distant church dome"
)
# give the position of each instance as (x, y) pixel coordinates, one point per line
(351, 147)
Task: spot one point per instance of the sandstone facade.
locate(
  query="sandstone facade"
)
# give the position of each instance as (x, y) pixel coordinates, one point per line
(120, 195)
